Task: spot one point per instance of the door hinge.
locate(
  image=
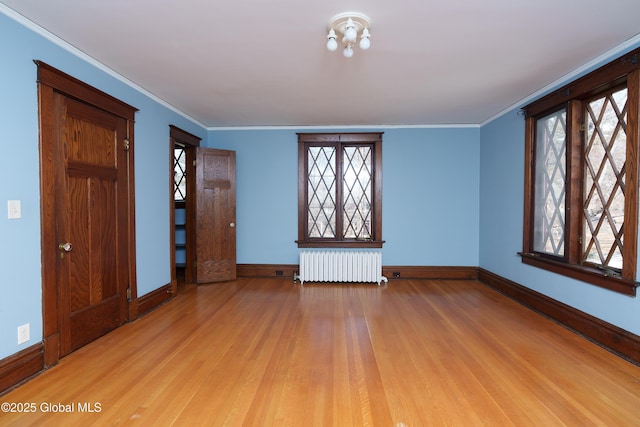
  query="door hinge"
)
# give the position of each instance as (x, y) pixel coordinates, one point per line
(580, 239)
(129, 294)
(126, 144)
(194, 163)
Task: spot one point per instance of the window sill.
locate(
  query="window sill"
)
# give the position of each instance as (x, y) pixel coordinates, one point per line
(340, 244)
(585, 274)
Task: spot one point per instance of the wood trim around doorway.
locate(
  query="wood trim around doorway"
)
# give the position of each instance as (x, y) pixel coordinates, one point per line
(177, 136)
(51, 81)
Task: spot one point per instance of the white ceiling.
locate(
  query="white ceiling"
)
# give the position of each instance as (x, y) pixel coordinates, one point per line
(230, 63)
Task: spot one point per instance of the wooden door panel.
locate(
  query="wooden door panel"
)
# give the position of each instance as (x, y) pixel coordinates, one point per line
(91, 137)
(93, 274)
(215, 215)
(92, 236)
(93, 322)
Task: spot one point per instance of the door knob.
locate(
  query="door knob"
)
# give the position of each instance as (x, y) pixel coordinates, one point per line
(65, 247)
(233, 224)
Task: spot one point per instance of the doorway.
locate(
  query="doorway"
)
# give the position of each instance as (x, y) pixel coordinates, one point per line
(181, 147)
(87, 209)
(202, 211)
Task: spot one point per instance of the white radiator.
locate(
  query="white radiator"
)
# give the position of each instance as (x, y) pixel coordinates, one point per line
(340, 266)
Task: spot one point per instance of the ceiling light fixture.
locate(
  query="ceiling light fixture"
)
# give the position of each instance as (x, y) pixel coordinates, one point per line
(349, 25)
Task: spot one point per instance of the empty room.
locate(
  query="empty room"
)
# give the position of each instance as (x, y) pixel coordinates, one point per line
(330, 214)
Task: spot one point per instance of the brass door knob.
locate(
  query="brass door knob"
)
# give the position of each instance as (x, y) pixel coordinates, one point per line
(66, 246)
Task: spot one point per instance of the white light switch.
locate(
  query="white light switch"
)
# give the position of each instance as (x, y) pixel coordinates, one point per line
(14, 209)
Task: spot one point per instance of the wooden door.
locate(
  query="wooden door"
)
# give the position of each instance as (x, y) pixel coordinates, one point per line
(215, 211)
(92, 281)
(87, 213)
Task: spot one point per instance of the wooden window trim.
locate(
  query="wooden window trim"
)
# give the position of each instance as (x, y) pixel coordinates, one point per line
(374, 138)
(625, 69)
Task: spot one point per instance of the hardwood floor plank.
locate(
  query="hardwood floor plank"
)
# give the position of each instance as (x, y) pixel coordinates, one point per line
(267, 352)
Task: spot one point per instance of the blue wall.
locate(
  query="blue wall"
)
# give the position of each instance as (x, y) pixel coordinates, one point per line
(20, 262)
(430, 181)
(430, 194)
(451, 196)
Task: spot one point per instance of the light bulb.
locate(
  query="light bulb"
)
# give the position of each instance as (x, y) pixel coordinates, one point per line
(348, 51)
(350, 33)
(332, 44)
(365, 43)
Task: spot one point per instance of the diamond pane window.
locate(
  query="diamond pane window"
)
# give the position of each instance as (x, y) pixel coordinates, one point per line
(582, 175)
(357, 192)
(180, 174)
(605, 158)
(550, 184)
(322, 192)
(340, 190)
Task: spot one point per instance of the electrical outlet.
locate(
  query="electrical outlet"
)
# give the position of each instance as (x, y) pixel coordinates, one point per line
(279, 273)
(15, 210)
(24, 333)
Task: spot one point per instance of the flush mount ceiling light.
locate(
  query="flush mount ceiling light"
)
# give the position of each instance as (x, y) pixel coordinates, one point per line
(349, 25)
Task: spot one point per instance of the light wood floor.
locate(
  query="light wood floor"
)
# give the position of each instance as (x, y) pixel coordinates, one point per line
(261, 352)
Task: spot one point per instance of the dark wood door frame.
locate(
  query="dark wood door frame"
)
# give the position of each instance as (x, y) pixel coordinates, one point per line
(50, 82)
(179, 136)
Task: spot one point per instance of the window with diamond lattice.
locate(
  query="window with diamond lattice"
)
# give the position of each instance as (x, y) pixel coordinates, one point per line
(340, 190)
(179, 174)
(605, 158)
(550, 176)
(581, 178)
